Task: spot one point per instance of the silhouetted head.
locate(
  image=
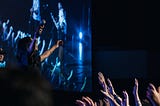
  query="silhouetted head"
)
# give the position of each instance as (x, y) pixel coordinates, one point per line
(24, 87)
(24, 43)
(25, 49)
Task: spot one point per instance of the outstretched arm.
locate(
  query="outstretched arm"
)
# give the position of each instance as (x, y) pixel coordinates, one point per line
(47, 53)
(112, 91)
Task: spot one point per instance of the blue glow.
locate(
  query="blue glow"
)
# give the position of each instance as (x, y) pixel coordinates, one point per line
(83, 86)
(42, 48)
(80, 51)
(80, 35)
(71, 73)
(3, 64)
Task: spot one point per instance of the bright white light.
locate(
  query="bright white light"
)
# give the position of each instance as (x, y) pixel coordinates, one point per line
(80, 51)
(80, 35)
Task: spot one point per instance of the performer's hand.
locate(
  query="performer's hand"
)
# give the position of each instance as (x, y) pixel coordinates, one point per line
(59, 43)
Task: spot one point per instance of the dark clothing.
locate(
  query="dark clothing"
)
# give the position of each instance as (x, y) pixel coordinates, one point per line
(25, 57)
(30, 61)
(34, 61)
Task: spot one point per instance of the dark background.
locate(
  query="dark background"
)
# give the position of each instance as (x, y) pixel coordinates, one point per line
(126, 44)
(127, 26)
(125, 36)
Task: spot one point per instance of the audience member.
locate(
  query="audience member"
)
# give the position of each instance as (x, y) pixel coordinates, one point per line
(28, 55)
(24, 87)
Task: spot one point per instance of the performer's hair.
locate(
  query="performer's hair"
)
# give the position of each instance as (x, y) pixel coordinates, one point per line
(22, 47)
(23, 44)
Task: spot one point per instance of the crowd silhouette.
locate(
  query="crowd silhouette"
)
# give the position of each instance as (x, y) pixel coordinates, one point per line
(111, 98)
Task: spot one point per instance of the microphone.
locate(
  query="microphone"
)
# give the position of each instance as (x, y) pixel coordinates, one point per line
(61, 43)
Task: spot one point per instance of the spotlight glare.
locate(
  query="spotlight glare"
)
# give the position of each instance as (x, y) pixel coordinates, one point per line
(80, 35)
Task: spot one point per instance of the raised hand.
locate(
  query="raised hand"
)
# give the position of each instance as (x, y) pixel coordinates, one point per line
(110, 98)
(112, 91)
(86, 101)
(153, 95)
(109, 89)
(102, 81)
(59, 43)
(135, 93)
(126, 99)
